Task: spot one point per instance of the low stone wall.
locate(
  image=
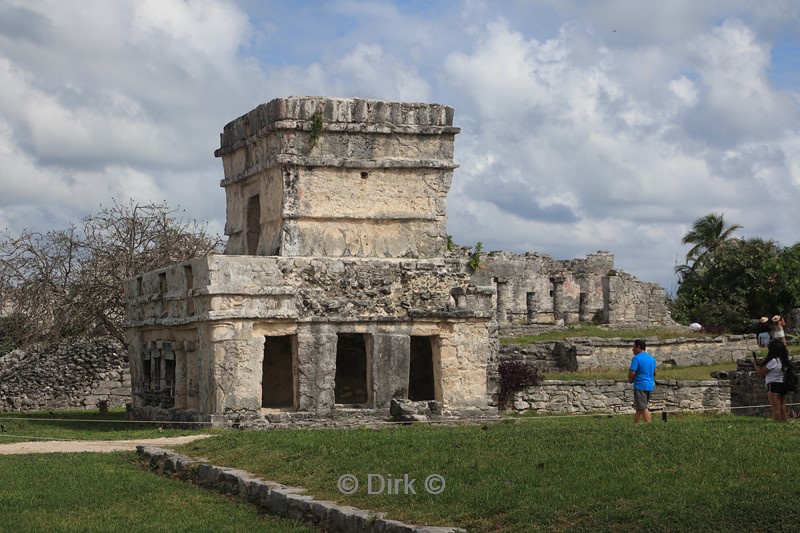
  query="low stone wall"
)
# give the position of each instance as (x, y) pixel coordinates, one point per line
(595, 353)
(582, 354)
(277, 499)
(71, 375)
(748, 389)
(616, 396)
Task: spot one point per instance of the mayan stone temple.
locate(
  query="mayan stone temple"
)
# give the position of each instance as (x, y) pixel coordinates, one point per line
(334, 295)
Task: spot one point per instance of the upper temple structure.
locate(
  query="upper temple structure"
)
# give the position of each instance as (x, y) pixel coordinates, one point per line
(336, 292)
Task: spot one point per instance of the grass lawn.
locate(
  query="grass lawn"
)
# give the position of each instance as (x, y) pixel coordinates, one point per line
(112, 492)
(545, 473)
(692, 473)
(107, 492)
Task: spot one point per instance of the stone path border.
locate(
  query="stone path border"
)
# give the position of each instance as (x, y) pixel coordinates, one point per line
(277, 499)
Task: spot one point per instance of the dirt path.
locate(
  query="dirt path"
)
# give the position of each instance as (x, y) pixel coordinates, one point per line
(72, 446)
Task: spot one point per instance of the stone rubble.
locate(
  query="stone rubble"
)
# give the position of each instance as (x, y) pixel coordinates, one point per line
(76, 374)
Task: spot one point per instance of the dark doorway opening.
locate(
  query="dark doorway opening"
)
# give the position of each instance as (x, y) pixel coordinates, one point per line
(277, 382)
(351, 369)
(420, 375)
(253, 224)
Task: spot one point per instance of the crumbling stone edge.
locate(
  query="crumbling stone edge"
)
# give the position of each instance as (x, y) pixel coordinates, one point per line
(277, 499)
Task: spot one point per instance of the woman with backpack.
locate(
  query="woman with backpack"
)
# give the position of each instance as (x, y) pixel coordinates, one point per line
(772, 370)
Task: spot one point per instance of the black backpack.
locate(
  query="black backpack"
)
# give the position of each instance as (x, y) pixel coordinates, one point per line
(790, 378)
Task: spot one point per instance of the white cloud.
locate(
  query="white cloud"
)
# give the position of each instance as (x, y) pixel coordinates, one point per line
(685, 90)
(585, 126)
(739, 102)
(370, 72)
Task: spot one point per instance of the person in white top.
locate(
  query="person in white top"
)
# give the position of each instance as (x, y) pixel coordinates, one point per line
(772, 369)
(778, 323)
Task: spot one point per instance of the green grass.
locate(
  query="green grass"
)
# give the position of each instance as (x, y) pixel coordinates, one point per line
(82, 425)
(691, 473)
(547, 473)
(111, 492)
(680, 373)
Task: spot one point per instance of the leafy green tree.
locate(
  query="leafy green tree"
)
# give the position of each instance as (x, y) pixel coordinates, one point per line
(707, 234)
(731, 288)
(783, 281)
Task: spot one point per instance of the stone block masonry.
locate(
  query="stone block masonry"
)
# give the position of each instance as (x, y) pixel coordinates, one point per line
(535, 289)
(597, 354)
(317, 176)
(748, 389)
(616, 397)
(76, 374)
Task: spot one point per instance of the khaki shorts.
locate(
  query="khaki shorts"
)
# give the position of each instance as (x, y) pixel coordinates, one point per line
(641, 398)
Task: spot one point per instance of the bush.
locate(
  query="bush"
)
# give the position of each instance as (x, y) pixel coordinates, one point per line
(515, 376)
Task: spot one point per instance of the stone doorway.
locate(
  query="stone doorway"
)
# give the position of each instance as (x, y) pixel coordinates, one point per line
(351, 369)
(277, 383)
(421, 375)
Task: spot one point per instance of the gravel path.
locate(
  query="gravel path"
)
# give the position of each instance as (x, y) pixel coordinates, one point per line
(72, 446)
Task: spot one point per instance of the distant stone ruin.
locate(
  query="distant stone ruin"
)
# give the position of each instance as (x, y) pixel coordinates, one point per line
(336, 294)
(534, 289)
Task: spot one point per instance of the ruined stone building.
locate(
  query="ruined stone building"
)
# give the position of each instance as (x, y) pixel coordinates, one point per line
(333, 293)
(536, 289)
(336, 292)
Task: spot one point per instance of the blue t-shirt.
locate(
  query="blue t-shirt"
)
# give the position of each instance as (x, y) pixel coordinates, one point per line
(644, 365)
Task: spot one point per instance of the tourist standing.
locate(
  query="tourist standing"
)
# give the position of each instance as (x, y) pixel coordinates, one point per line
(778, 323)
(772, 370)
(763, 332)
(642, 374)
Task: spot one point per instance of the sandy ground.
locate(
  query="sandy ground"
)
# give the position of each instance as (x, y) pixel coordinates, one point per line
(61, 446)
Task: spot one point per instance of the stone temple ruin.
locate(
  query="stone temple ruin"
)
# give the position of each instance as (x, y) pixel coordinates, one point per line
(336, 292)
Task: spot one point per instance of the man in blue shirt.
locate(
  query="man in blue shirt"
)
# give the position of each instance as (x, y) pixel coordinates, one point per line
(643, 376)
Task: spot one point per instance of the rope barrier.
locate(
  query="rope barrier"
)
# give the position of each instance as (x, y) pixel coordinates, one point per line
(373, 423)
(101, 421)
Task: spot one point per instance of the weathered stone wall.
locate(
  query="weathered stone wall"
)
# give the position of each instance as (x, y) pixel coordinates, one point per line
(633, 303)
(318, 176)
(616, 396)
(536, 289)
(212, 316)
(71, 375)
(220, 287)
(595, 353)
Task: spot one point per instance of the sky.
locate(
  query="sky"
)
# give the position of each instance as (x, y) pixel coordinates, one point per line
(585, 125)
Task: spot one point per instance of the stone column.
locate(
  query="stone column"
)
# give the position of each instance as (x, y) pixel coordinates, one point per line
(558, 295)
(316, 371)
(391, 362)
(530, 306)
(502, 301)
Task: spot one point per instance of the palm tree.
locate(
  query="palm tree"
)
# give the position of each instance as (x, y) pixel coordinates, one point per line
(707, 233)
